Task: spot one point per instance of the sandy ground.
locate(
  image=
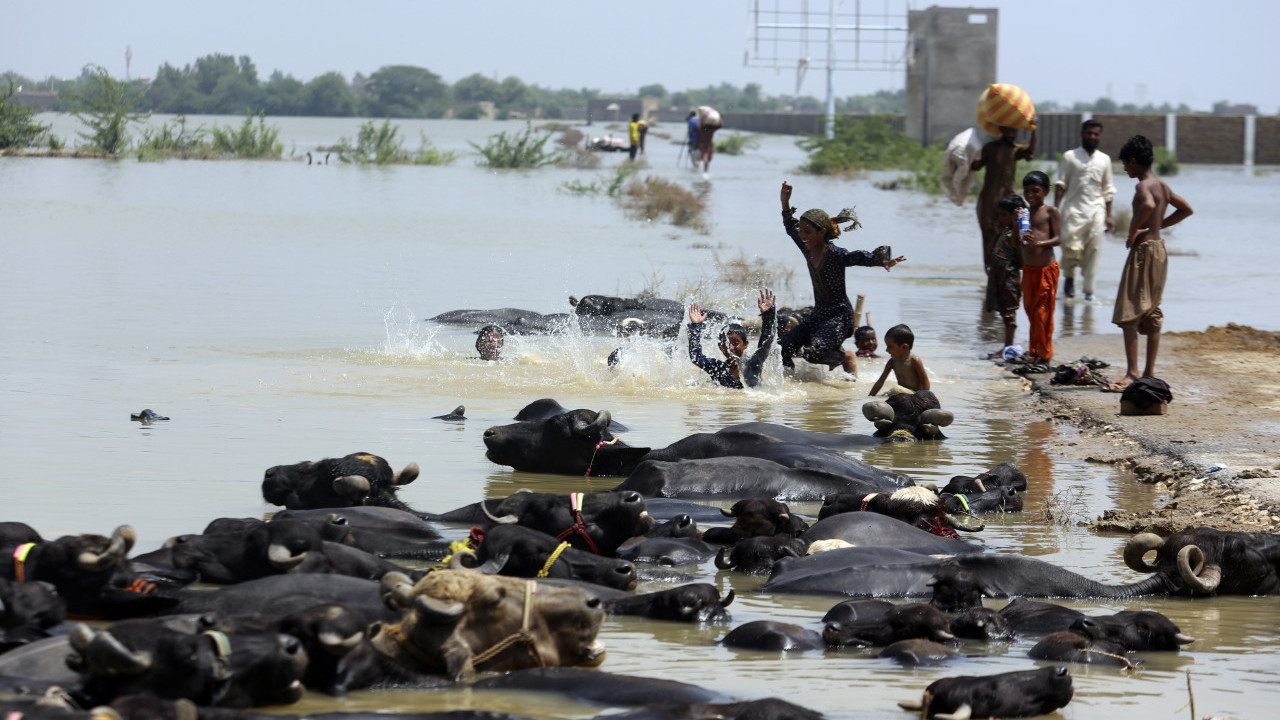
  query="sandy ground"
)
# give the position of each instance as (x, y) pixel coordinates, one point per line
(1225, 411)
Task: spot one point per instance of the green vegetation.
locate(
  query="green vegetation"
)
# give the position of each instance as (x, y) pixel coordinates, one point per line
(1166, 161)
(18, 127)
(518, 150)
(735, 143)
(611, 186)
(250, 140)
(105, 106)
(655, 198)
(174, 140)
(381, 146)
(867, 143)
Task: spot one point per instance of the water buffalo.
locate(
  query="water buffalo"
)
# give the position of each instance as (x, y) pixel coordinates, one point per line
(906, 417)
(382, 531)
(1203, 561)
(983, 624)
(90, 572)
(1025, 693)
(902, 622)
(284, 594)
(1072, 647)
(27, 611)
(518, 551)
(597, 687)
(1003, 498)
(773, 636)
(764, 709)
(916, 506)
(668, 551)
(458, 623)
(211, 668)
(596, 522)
(1003, 474)
(917, 651)
(875, 529)
(355, 479)
(757, 517)
(736, 477)
(690, 602)
(850, 610)
(756, 555)
(512, 320)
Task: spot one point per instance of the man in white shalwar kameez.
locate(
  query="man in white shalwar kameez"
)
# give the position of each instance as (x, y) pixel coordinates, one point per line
(1083, 195)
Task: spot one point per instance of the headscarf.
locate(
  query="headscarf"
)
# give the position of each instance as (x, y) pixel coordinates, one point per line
(821, 220)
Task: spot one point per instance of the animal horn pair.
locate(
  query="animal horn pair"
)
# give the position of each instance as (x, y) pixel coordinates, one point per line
(101, 652)
(120, 544)
(1137, 547)
(1200, 576)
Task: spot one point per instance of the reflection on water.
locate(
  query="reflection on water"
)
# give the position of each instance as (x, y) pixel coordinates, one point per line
(276, 313)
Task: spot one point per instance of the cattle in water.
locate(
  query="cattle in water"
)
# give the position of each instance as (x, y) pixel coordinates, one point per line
(457, 623)
(907, 417)
(1000, 499)
(1204, 561)
(385, 532)
(1025, 693)
(736, 477)
(512, 320)
(983, 624)
(773, 636)
(596, 522)
(873, 529)
(517, 551)
(756, 555)
(1072, 647)
(209, 668)
(917, 651)
(1003, 474)
(901, 622)
(690, 603)
(597, 687)
(918, 506)
(757, 517)
(355, 479)
(28, 610)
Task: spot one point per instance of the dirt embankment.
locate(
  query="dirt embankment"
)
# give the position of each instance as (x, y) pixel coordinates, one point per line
(1225, 412)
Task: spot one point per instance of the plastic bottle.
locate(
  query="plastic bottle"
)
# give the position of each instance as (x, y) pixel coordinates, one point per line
(1024, 222)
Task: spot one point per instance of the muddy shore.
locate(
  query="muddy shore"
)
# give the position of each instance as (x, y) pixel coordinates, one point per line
(1225, 412)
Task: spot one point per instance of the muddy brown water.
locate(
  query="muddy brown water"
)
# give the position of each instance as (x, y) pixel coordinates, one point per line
(276, 312)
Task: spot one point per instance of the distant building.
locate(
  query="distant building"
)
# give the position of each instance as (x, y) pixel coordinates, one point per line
(1222, 108)
(950, 61)
(619, 109)
(40, 99)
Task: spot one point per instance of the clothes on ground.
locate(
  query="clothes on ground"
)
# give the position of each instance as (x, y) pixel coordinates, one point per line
(722, 370)
(1087, 186)
(1077, 373)
(1142, 287)
(830, 322)
(1006, 275)
(1039, 297)
(1147, 391)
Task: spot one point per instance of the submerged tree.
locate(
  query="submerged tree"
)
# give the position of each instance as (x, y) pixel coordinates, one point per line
(104, 104)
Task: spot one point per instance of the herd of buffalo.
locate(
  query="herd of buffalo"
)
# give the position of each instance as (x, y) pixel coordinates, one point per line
(348, 588)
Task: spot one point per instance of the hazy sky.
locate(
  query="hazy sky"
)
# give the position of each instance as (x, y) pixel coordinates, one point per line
(1137, 50)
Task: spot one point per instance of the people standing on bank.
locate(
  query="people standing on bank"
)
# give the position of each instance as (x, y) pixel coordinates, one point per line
(1145, 270)
(1083, 195)
(1039, 266)
(633, 135)
(818, 338)
(1000, 159)
(708, 123)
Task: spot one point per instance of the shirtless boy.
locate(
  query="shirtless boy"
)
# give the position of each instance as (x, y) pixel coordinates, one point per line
(1142, 281)
(1039, 266)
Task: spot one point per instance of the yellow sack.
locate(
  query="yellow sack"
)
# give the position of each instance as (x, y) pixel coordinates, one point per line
(1003, 105)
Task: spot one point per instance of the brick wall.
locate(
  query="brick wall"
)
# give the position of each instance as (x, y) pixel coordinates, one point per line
(1211, 139)
(1267, 141)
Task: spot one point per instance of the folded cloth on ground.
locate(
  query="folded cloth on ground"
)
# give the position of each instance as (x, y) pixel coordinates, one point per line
(1147, 391)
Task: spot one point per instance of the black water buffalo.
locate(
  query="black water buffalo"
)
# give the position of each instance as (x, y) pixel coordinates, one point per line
(1036, 617)
(272, 548)
(512, 320)
(382, 531)
(91, 573)
(850, 610)
(597, 687)
(285, 594)
(550, 407)
(874, 529)
(901, 622)
(1026, 693)
(27, 611)
(1203, 561)
(1072, 647)
(607, 314)
(518, 551)
(756, 555)
(773, 636)
(211, 668)
(458, 623)
(917, 651)
(757, 517)
(668, 551)
(1134, 630)
(355, 479)
(906, 417)
(765, 709)
(983, 624)
(596, 522)
(694, 602)
(1003, 498)
(736, 477)
(891, 572)
(1004, 474)
(916, 506)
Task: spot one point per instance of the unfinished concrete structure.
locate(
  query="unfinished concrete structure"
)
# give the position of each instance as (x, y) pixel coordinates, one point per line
(951, 60)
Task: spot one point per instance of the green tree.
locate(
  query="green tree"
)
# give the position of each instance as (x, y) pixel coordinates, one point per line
(405, 91)
(329, 96)
(476, 88)
(283, 95)
(18, 127)
(652, 91)
(105, 106)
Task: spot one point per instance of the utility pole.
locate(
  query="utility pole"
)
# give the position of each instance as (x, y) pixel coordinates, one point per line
(128, 60)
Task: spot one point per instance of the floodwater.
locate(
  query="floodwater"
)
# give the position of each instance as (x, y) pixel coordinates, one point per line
(276, 312)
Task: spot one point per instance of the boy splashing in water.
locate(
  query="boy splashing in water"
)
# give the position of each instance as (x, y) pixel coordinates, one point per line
(818, 337)
(733, 372)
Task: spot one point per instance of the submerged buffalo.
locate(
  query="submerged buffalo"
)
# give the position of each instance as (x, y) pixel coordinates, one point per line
(1027, 693)
(355, 479)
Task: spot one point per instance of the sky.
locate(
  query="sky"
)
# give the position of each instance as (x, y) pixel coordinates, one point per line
(1175, 51)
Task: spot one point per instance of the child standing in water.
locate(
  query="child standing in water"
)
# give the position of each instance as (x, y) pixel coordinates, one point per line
(733, 372)
(819, 336)
(908, 369)
(1039, 266)
(1006, 268)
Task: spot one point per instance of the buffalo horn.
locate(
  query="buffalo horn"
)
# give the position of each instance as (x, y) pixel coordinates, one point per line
(1137, 547)
(964, 712)
(504, 520)
(721, 562)
(935, 416)
(726, 512)
(1183, 639)
(407, 475)
(959, 525)
(728, 599)
(494, 565)
(1202, 578)
(878, 410)
(335, 644)
(283, 559)
(943, 636)
(104, 651)
(599, 425)
(435, 611)
(396, 590)
(121, 541)
(351, 486)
